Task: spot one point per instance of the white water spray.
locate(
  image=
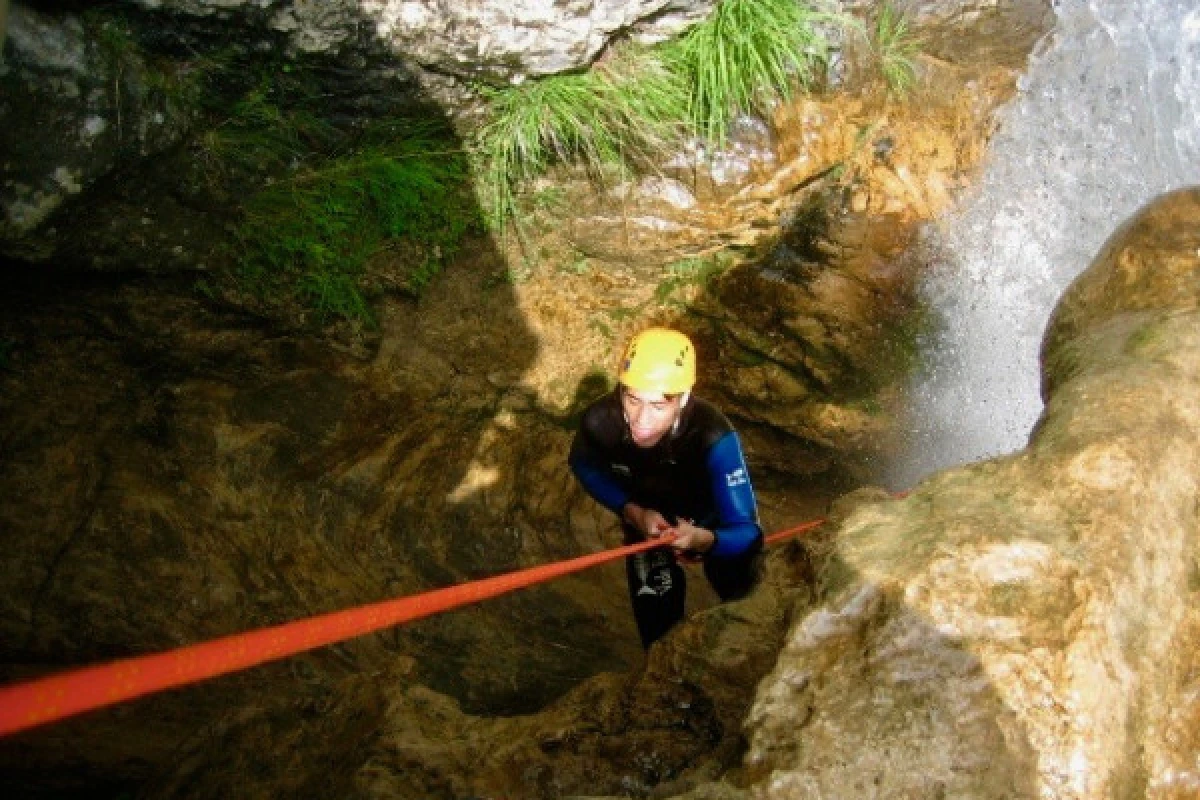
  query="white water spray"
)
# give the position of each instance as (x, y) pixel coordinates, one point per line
(1107, 117)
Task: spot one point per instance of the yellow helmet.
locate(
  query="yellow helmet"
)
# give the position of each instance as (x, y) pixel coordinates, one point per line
(659, 360)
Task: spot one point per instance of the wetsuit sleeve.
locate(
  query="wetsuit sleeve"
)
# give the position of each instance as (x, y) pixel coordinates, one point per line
(738, 528)
(594, 474)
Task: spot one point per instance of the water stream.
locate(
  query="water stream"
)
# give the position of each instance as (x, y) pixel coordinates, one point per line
(1106, 117)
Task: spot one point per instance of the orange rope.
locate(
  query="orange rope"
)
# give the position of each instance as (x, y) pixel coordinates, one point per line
(44, 700)
(806, 527)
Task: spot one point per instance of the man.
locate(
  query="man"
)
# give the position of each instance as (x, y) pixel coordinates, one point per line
(669, 463)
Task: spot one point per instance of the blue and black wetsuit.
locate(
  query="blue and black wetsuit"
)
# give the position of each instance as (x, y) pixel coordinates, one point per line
(697, 472)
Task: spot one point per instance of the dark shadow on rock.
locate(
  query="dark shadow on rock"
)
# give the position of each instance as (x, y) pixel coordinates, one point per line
(175, 467)
(819, 683)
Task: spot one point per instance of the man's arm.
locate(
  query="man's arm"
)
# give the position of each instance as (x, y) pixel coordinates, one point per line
(590, 467)
(594, 474)
(737, 511)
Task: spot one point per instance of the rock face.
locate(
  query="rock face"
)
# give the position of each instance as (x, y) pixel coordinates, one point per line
(475, 40)
(1025, 627)
(75, 104)
(88, 95)
(174, 469)
(90, 102)
(1021, 628)
(172, 472)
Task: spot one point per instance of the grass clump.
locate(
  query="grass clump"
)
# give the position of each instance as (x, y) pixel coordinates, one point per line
(612, 116)
(113, 38)
(314, 233)
(896, 47)
(746, 57)
(260, 136)
(638, 103)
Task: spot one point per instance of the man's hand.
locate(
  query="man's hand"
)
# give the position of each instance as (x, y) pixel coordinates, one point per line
(690, 537)
(646, 521)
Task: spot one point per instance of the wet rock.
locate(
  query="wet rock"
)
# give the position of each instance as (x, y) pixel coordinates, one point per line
(666, 190)
(972, 31)
(668, 727)
(75, 103)
(1024, 627)
(259, 475)
(811, 337)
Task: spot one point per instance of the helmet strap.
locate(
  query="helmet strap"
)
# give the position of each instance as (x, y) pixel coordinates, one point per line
(683, 401)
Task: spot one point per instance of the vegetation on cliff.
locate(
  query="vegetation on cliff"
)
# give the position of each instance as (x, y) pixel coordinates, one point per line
(639, 102)
(335, 198)
(316, 231)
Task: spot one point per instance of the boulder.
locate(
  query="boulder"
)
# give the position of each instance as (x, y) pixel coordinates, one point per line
(1025, 627)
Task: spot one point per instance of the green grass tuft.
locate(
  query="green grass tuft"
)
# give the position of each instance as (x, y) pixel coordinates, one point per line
(638, 103)
(616, 115)
(691, 272)
(113, 38)
(746, 57)
(896, 47)
(260, 136)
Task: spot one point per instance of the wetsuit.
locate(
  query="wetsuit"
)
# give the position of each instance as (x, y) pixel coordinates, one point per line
(696, 472)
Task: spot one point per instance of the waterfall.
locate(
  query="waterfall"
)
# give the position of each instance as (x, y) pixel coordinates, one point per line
(1106, 117)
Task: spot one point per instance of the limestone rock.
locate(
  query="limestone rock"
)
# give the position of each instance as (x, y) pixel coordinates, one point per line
(75, 102)
(479, 39)
(1025, 627)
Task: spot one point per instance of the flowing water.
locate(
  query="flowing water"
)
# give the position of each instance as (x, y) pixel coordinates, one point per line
(1106, 117)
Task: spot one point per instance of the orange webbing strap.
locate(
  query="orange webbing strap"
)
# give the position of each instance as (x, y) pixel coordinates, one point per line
(806, 527)
(55, 697)
(812, 525)
(36, 702)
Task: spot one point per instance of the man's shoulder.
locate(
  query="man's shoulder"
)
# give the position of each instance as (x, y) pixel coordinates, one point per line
(706, 422)
(602, 421)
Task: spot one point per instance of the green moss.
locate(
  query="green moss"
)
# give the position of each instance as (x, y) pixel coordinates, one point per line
(834, 575)
(312, 235)
(1146, 338)
(898, 354)
(576, 265)
(691, 272)
(904, 345)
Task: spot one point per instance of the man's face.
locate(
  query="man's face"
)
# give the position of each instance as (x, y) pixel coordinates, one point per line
(650, 415)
